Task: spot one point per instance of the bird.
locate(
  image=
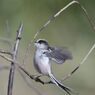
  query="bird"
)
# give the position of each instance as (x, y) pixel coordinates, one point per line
(43, 54)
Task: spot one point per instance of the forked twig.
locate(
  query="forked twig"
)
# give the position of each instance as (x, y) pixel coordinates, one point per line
(14, 54)
(33, 77)
(22, 72)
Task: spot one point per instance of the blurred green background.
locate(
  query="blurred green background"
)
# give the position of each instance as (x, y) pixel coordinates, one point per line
(70, 29)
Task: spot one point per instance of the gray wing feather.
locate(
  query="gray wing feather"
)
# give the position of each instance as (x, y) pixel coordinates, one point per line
(59, 55)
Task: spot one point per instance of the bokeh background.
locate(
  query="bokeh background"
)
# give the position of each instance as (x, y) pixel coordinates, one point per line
(70, 29)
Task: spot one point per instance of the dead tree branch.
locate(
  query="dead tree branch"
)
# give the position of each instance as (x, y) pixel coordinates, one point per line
(14, 56)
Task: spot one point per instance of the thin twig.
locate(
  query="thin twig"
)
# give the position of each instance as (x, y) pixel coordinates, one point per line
(12, 68)
(7, 58)
(87, 15)
(30, 84)
(5, 52)
(36, 78)
(82, 62)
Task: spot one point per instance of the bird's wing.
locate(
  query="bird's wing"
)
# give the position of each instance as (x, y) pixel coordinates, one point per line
(59, 55)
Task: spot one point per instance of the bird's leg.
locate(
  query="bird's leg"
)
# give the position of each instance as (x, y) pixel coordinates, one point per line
(37, 78)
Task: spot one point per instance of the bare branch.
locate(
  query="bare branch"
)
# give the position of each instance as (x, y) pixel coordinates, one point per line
(33, 77)
(30, 84)
(87, 15)
(7, 58)
(5, 52)
(82, 62)
(12, 68)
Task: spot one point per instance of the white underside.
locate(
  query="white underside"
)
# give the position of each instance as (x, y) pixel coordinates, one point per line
(42, 63)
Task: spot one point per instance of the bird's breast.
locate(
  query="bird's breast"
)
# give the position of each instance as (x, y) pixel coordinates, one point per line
(42, 65)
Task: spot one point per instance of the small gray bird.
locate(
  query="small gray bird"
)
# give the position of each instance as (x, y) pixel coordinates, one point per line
(42, 56)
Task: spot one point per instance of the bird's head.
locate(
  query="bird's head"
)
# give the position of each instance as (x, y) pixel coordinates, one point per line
(41, 44)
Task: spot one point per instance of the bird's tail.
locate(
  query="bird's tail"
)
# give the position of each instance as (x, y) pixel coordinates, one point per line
(60, 85)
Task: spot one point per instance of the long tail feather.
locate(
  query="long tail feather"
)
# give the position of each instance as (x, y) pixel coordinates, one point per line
(60, 85)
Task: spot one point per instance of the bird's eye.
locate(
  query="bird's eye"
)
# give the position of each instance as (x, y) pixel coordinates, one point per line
(39, 42)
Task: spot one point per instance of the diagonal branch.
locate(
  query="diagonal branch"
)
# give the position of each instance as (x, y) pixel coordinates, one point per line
(82, 62)
(5, 52)
(33, 77)
(30, 83)
(14, 54)
(87, 15)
